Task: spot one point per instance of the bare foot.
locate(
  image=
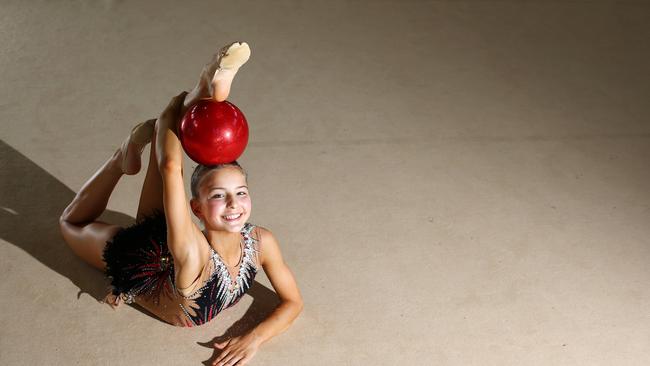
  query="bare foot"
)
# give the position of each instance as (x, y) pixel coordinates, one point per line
(131, 149)
(218, 74)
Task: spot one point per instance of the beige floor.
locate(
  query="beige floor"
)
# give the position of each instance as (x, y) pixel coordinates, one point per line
(452, 182)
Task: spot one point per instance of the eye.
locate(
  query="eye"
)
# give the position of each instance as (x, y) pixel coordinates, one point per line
(241, 193)
(217, 196)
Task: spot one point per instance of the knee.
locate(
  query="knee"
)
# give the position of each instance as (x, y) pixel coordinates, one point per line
(63, 219)
(64, 227)
(64, 223)
(68, 230)
(65, 215)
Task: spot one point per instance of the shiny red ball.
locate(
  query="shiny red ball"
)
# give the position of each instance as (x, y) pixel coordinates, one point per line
(213, 132)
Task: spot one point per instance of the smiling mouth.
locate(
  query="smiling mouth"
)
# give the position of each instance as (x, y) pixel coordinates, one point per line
(234, 217)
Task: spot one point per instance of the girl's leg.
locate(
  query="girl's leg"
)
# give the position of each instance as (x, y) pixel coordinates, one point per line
(222, 68)
(151, 195)
(82, 232)
(85, 236)
(217, 75)
(215, 81)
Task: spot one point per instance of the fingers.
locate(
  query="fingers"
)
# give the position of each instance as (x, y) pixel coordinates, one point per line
(229, 360)
(228, 356)
(224, 351)
(233, 360)
(220, 360)
(235, 351)
(243, 361)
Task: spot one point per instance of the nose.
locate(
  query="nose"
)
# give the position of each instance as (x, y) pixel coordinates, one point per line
(231, 203)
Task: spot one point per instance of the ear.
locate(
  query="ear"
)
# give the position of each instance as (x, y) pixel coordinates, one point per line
(196, 208)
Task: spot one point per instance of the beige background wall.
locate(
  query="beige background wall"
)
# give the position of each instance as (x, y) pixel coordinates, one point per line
(452, 182)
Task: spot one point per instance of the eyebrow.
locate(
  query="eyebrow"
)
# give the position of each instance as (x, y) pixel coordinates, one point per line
(213, 188)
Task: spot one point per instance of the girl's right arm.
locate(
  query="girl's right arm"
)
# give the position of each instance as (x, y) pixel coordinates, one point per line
(181, 231)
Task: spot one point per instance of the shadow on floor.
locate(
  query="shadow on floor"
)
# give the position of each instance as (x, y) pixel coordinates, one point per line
(31, 201)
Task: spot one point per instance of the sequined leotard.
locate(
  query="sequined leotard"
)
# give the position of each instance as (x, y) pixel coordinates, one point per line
(145, 275)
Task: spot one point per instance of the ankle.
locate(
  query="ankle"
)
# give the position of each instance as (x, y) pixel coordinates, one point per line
(191, 98)
(114, 163)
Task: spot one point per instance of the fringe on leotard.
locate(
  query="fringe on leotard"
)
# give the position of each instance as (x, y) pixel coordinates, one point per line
(138, 261)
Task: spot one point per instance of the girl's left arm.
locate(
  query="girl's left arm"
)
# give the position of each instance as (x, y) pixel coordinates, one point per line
(285, 286)
(239, 350)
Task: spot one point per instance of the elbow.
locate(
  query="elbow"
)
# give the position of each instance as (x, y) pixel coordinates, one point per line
(298, 306)
(293, 309)
(166, 165)
(293, 306)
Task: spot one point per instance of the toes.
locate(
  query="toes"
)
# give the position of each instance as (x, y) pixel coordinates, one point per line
(217, 75)
(236, 56)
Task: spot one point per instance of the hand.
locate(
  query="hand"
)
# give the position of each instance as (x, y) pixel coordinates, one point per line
(171, 116)
(237, 350)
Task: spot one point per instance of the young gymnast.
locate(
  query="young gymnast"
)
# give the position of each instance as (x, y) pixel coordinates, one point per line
(165, 262)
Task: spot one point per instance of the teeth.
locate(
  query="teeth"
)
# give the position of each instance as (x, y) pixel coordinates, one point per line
(232, 217)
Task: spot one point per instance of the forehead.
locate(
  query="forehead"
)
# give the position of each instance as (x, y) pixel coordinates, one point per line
(227, 177)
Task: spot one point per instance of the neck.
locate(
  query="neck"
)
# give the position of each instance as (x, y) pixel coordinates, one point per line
(222, 239)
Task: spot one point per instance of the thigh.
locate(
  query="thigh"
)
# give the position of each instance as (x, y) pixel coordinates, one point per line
(88, 241)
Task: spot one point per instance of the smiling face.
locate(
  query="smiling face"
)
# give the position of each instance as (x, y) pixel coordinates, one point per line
(223, 202)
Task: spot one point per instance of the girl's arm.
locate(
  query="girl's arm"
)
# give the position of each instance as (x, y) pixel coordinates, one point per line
(181, 231)
(285, 286)
(241, 349)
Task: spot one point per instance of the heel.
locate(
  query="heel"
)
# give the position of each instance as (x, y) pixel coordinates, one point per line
(142, 133)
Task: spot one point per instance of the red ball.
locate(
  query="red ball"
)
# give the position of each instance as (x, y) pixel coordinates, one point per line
(213, 132)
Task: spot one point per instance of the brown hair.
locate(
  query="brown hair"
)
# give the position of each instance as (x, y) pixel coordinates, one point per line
(201, 170)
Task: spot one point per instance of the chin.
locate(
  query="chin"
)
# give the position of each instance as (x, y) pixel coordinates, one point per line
(234, 227)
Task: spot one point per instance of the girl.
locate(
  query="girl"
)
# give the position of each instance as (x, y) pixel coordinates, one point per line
(165, 262)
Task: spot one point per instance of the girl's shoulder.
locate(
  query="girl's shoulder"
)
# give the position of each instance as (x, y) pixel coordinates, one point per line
(265, 242)
(257, 232)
